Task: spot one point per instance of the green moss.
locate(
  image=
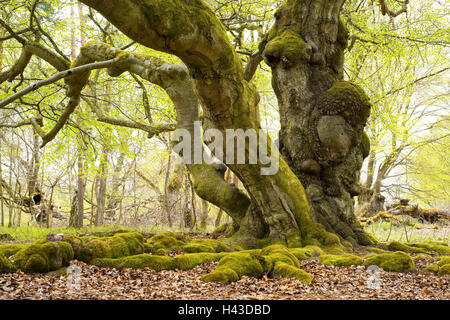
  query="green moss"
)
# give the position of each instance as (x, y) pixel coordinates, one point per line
(120, 245)
(224, 275)
(445, 269)
(423, 257)
(226, 228)
(235, 265)
(139, 261)
(365, 144)
(288, 44)
(190, 260)
(61, 271)
(347, 99)
(289, 271)
(274, 259)
(392, 261)
(133, 240)
(318, 236)
(432, 268)
(306, 252)
(276, 253)
(341, 260)
(43, 257)
(343, 33)
(9, 249)
(197, 247)
(342, 90)
(6, 265)
(93, 249)
(443, 260)
(436, 246)
(397, 246)
(376, 250)
(205, 245)
(299, 253)
(164, 242)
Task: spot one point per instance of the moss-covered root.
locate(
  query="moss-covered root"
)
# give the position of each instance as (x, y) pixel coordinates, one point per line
(8, 250)
(393, 261)
(6, 265)
(121, 244)
(166, 242)
(275, 259)
(235, 265)
(341, 260)
(445, 269)
(442, 267)
(43, 256)
(432, 268)
(158, 263)
(289, 271)
(398, 246)
(139, 261)
(436, 246)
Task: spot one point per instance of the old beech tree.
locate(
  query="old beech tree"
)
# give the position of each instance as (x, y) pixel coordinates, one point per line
(321, 143)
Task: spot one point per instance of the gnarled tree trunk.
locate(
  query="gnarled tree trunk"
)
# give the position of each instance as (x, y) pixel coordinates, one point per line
(322, 117)
(330, 147)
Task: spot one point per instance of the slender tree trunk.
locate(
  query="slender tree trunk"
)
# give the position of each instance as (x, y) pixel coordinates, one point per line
(11, 163)
(101, 195)
(81, 183)
(2, 208)
(167, 202)
(114, 197)
(204, 217)
(73, 219)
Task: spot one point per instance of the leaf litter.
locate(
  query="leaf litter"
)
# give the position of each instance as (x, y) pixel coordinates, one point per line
(329, 283)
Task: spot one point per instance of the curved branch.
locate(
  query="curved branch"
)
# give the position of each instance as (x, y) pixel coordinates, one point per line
(57, 76)
(28, 50)
(385, 10)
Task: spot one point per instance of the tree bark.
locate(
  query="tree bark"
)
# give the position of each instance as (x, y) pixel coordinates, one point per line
(322, 117)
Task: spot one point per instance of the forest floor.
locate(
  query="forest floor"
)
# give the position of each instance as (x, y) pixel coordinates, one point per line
(329, 283)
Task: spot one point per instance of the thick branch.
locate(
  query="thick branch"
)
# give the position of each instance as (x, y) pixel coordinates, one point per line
(385, 10)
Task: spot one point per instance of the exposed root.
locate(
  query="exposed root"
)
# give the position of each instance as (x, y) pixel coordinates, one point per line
(130, 250)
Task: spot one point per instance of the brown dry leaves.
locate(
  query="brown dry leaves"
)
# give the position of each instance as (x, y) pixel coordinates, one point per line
(329, 282)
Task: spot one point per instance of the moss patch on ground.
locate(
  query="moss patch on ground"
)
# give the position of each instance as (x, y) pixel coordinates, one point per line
(130, 250)
(445, 269)
(394, 261)
(432, 268)
(8, 250)
(398, 246)
(89, 248)
(6, 265)
(157, 262)
(443, 260)
(436, 246)
(43, 257)
(341, 260)
(166, 242)
(274, 259)
(441, 267)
